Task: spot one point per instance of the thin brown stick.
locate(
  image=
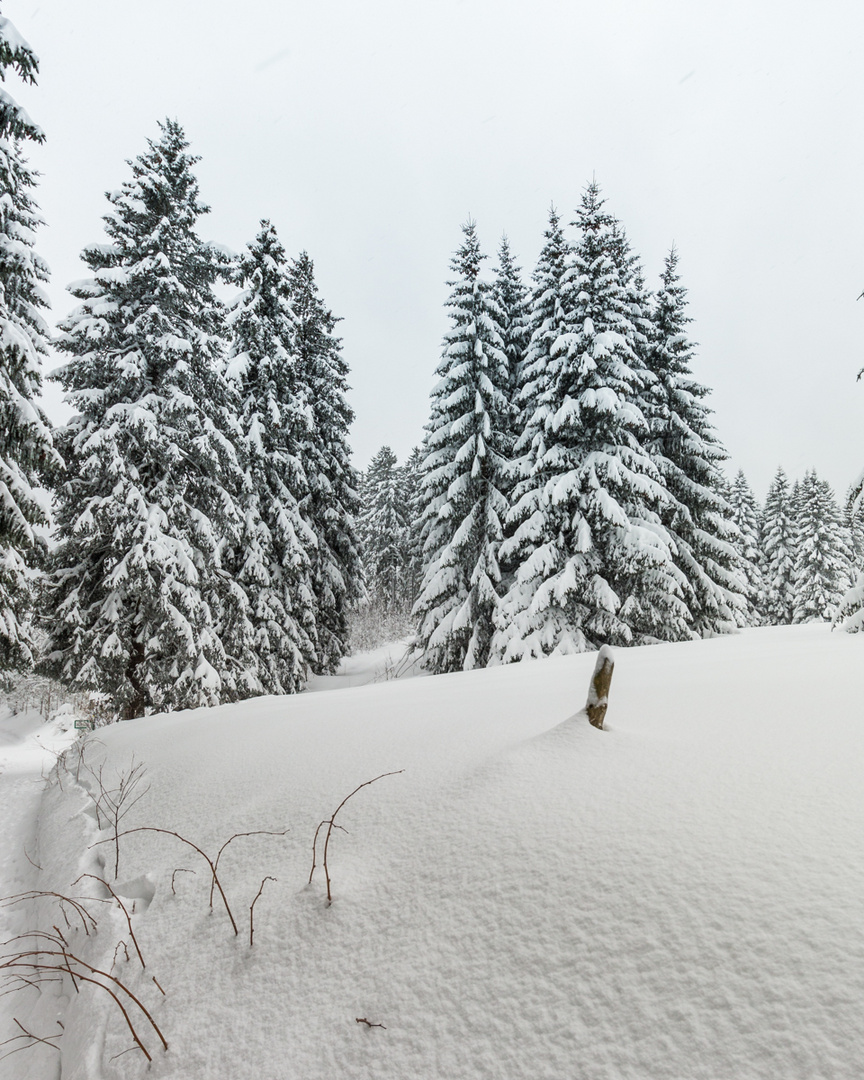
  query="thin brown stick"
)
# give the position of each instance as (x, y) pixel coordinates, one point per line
(237, 836)
(368, 1023)
(331, 825)
(122, 906)
(179, 870)
(79, 909)
(30, 1035)
(158, 987)
(20, 960)
(252, 909)
(182, 839)
(27, 857)
(107, 989)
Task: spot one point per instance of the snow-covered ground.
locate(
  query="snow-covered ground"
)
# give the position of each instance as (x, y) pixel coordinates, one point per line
(680, 896)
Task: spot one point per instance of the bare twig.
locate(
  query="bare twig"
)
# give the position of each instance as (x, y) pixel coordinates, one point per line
(368, 1023)
(83, 914)
(179, 870)
(120, 945)
(102, 881)
(252, 909)
(331, 825)
(34, 960)
(158, 987)
(183, 840)
(237, 836)
(27, 857)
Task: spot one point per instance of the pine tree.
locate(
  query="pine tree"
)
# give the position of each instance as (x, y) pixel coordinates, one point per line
(823, 562)
(688, 454)
(850, 611)
(26, 446)
(411, 484)
(747, 517)
(596, 562)
(516, 633)
(464, 472)
(330, 507)
(274, 561)
(142, 608)
(511, 297)
(382, 527)
(778, 551)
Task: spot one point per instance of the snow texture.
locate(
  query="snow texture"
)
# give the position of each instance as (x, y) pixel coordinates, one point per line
(678, 896)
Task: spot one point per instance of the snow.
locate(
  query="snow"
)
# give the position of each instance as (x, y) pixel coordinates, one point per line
(676, 896)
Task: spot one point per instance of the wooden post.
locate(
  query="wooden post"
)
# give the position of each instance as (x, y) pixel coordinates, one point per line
(598, 691)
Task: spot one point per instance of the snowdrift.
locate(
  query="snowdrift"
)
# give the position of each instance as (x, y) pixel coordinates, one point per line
(679, 896)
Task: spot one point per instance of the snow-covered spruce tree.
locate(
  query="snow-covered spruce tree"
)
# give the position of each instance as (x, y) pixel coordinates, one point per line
(411, 481)
(850, 612)
(747, 517)
(778, 551)
(26, 448)
(511, 296)
(524, 527)
(141, 607)
(688, 454)
(823, 564)
(464, 472)
(382, 526)
(595, 563)
(274, 556)
(331, 504)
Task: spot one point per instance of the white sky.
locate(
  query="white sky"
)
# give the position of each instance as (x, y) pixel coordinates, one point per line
(368, 132)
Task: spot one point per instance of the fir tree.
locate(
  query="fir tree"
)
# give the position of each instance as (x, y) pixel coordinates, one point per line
(688, 455)
(596, 563)
(823, 553)
(526, 520)
(142, 607)
(511, 298)
(274, 560)
(26, 447)
(464, 472)
(778, 551)
(382, 526)
(331, 504)
(411, 485)
(850, 612)
(747, 517)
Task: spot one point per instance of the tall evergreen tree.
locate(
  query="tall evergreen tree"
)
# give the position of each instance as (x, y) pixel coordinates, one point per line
(823, 553)
(142, 607)
(850, 611)
(747, 517)
(517, 630)
(689, 455)
(26, 447)
(778, 551)
(596, 562)
(274, 562)
(412, 493)
(382, 526)
(511, 298)
(464, 473)
(330, 507)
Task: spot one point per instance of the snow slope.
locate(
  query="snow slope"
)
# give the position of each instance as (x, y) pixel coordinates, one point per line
(677, 897)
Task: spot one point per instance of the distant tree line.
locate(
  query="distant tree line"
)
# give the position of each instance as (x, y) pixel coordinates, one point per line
(570, 491)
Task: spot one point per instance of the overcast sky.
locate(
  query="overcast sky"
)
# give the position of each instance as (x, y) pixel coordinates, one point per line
(369, 131)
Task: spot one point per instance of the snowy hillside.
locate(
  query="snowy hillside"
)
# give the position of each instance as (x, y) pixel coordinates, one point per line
(679, 896)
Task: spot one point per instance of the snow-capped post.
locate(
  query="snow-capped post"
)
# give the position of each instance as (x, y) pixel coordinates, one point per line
(598, 691)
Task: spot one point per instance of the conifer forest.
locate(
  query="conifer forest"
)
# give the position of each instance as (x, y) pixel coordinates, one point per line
(197, 533)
